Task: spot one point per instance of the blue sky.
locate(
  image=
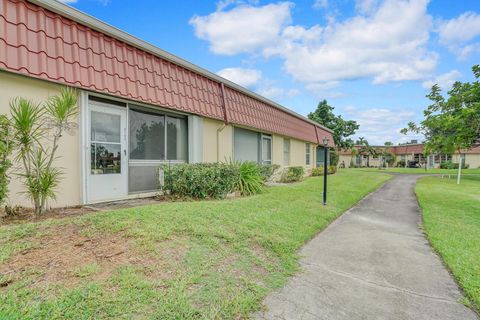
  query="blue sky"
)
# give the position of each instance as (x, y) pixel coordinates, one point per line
(374, 61)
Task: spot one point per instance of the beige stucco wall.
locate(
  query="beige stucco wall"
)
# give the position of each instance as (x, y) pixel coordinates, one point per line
(218, 145)
(277, 149)
(346, 159)
(473, 160)
(217, 141)
(68, 192)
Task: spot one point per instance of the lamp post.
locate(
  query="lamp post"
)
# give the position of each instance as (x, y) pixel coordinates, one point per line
(325, 170)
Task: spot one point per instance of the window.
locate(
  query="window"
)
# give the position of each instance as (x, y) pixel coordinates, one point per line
(439, 158)
(153, 138)
(252, 146)
(266, 149)
(147, 135)
(105, 148)
(286, 152)
(246, 145)
(177, 139)
(307, 153)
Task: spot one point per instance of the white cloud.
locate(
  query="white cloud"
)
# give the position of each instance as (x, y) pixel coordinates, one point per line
(378, 125)
(320, 4)
(387, 44)
(459, 34)
(243, 28)
(241, 76)
(366, 6)
(273, 92)
(445, 80)
(223, 4)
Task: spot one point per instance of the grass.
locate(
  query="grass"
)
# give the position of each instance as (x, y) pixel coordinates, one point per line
(182, 260)
(421, 170)
(451, 215)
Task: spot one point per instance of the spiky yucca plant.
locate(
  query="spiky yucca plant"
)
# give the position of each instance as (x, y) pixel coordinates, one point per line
(37, 132)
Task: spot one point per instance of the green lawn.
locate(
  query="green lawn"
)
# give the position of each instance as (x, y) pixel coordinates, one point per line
(422, 170)
(451, 216)
(181, 260)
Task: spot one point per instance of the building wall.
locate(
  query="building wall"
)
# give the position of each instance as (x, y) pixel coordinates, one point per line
(217, 141)
(222, 149)
(277, 150)
(68, 192)
(473, 160)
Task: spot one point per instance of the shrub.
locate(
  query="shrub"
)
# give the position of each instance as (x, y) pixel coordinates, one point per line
(401, 164)
(318, 171)
(5, 151)
(452, 165)
(250, 179)
(267, 170)
(200, 180)
(292, 174)
(332, 169)
(37, 130)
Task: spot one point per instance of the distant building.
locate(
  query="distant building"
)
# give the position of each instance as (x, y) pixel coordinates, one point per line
(411, 152)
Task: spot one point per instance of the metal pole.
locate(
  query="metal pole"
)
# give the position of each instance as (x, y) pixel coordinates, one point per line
(459, 169)
(325, 172)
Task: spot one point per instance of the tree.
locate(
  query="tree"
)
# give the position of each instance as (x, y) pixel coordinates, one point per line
(342, 129)
(388, 143)
(366, 149)
(37, 129)
(6, 146)
(451, 123)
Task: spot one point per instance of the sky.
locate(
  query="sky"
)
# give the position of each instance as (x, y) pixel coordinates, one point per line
(373, 61)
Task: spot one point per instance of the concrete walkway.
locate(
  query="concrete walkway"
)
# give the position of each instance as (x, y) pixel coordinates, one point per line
(372, 263)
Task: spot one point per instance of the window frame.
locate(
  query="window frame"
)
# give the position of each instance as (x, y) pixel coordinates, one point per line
(308, 153)
(265, 137)
(165, 115)
(286, 151)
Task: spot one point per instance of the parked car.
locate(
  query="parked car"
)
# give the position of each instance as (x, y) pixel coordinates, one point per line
(413, 164)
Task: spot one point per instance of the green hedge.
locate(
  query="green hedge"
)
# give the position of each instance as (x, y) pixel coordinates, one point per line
(215, 180)
(267, 170)
(318, 171)
(292, 174)
(200, 180)
(452, 165)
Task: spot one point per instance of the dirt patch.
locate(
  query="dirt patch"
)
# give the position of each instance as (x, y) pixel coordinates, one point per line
(66, 256)
(23, 215)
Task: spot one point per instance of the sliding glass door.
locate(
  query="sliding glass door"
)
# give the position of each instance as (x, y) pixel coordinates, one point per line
(154, 139)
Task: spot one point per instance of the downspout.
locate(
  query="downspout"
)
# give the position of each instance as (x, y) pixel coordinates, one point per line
(318, 143)
(225, 119)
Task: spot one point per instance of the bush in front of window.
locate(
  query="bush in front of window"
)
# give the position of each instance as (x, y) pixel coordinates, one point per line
(318, 171)
(401, 164)
(250, 179)
(267, 170)
(200, 180)
(292, 174)
(452, 165)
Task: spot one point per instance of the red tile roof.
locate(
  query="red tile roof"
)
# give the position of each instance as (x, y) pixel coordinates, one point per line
(40, 43)
(410, 148)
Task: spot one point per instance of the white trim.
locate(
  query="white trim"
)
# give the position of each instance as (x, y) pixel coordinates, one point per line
(96, 24)
(195, 139)
(82, 118)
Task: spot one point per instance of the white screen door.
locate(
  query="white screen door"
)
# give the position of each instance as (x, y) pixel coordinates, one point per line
(107, 166)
